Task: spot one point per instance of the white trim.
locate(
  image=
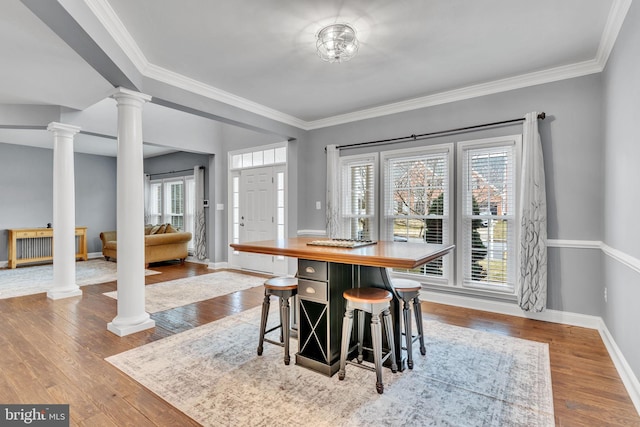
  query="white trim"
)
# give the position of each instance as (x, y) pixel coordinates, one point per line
(218, 265)
(312, 233)
(617, 14)
(512, 309)
(497, 86)
(112, 24)
(629, 379)
(576, 244)
(628, 260)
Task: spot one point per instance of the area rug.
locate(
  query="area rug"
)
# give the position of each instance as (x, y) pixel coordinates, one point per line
(39, 278)
(175, 293)
(467, 378)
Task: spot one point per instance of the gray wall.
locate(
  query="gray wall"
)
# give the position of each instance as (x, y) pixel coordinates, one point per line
(27, 189)
(572, 144)
(622, 196)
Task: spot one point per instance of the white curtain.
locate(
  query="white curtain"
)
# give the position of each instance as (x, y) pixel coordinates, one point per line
(147, 198)
(532, 292)
(199, 237)
(333, 191)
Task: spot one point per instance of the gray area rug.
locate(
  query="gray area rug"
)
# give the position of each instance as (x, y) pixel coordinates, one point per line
(175, 293)
(467, 378)
(36, 279)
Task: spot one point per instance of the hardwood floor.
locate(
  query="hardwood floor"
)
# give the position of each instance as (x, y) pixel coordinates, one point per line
(53, 352)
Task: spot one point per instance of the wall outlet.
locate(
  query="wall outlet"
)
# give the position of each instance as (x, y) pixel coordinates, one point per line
(605, 295)
(318, 205)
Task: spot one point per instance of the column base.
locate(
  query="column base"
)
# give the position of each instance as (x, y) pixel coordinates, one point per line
(55, 294)
(122, 330)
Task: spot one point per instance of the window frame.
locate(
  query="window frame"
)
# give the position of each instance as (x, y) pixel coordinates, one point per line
(164, 217)
(508, 290)
(345, 164)
(447, 279)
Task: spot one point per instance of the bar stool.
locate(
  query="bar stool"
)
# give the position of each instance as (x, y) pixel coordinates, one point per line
(283, 288)
(409, 292)
(376, 302)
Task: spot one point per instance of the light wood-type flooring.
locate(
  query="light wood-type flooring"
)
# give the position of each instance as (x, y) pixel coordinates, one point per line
(53, 352)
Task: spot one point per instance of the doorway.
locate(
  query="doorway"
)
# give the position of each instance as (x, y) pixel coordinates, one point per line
(257, 197)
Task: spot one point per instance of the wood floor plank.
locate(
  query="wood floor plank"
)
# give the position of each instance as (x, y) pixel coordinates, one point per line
(54, 351)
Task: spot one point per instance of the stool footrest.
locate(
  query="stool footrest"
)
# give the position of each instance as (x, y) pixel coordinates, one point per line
(273, 329)
(274, 342)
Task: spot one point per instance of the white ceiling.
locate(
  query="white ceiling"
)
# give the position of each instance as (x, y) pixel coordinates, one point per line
(259, 55)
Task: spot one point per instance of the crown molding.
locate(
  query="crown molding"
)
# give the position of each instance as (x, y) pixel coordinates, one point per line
(617, 14)
(183, 82)
(474, 91)
(116, 29)
(114, 26)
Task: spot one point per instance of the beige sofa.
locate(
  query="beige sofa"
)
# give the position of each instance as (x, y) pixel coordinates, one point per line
(161, 243)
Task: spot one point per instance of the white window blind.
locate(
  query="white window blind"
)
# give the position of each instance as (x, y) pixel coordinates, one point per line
(172, 200)
(488, 214)
(417, 200)
(358, 207)
(155, 204)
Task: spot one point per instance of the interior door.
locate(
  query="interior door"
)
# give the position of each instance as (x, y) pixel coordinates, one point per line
(257, 212)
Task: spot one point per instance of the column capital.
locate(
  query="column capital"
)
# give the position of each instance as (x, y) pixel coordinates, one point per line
(122, 95)
(63, 129)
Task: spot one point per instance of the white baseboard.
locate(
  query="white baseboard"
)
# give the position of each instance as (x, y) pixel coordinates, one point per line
(198, 261)
(627, 375)
(312, 233)
(555, 316)
(4, 264)
(218, 265)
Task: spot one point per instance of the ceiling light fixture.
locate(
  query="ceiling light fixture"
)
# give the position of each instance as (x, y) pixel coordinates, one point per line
(337, 43)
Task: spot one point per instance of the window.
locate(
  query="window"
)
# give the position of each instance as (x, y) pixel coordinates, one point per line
(358, 205)
(172, 200)
(417, 200)
(269, 156)
(488, 220)
(421, 204)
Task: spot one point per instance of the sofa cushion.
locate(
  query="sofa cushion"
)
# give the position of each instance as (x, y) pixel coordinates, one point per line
(155, 229)
(170, 229)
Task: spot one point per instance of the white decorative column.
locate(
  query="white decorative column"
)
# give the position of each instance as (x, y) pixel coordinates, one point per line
(64, 213)
(131, 316)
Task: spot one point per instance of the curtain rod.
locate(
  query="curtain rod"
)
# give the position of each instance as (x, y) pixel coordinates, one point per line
(414, 137)
(170, 172)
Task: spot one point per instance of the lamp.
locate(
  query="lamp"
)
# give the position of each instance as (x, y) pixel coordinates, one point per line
(337, 43)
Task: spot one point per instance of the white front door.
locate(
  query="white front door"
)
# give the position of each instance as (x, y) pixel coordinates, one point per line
(257, 215)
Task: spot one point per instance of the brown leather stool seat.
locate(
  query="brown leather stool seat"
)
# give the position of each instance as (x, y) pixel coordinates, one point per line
(376, 302)
(284, 288)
